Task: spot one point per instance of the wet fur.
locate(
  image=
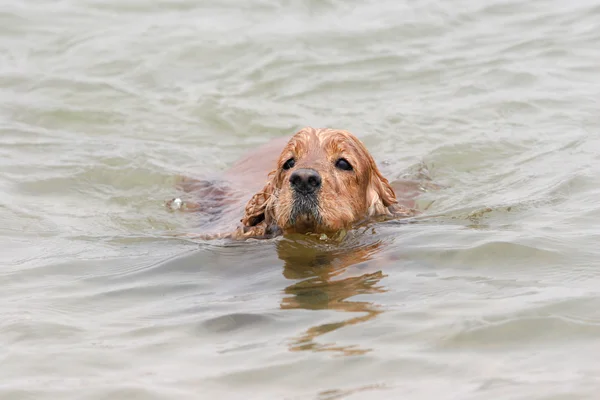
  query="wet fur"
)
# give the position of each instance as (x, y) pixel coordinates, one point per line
(345, 198)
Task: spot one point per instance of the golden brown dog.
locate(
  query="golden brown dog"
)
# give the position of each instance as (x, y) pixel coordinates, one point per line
(323, 181)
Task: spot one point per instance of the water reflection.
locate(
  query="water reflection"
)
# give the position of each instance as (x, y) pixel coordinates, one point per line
(328, 276)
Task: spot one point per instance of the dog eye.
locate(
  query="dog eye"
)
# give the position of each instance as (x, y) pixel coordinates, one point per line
(342, 163)
(289, 164)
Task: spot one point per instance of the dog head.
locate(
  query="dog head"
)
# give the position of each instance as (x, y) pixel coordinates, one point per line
(325, 181)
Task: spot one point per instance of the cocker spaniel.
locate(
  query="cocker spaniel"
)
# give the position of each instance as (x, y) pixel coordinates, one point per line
(323, 181)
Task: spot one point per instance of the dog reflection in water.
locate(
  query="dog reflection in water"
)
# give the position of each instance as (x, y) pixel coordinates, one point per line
(328, 277)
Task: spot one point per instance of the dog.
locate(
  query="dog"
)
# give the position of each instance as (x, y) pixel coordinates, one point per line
(321, 181)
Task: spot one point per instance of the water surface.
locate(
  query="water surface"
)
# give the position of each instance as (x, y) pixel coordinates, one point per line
(103, 103)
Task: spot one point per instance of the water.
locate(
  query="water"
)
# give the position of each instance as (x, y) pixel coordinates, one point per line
(102, 104)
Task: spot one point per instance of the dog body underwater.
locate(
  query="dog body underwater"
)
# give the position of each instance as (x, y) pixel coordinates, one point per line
(318, 181)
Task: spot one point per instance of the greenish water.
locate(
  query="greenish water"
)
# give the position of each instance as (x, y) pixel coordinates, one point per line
(103, 103)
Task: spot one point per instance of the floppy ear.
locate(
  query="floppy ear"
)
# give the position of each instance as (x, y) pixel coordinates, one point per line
(383, 188)
(258, 208)
(383, 198)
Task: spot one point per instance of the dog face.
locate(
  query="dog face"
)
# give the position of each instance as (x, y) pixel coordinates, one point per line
(325, 181)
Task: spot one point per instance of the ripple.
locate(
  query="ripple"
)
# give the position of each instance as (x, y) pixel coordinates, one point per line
(234, 322)
(524, 331)
(31, 331)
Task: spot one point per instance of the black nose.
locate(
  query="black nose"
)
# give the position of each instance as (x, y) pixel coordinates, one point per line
(305, 180)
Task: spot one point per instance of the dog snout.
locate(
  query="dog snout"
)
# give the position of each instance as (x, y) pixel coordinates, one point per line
(305, 181)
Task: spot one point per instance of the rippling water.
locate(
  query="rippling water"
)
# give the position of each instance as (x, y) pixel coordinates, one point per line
(494, 296)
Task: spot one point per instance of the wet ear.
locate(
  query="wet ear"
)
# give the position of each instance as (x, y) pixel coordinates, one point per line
(383, 189)
(382, 198)
(258, 208)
